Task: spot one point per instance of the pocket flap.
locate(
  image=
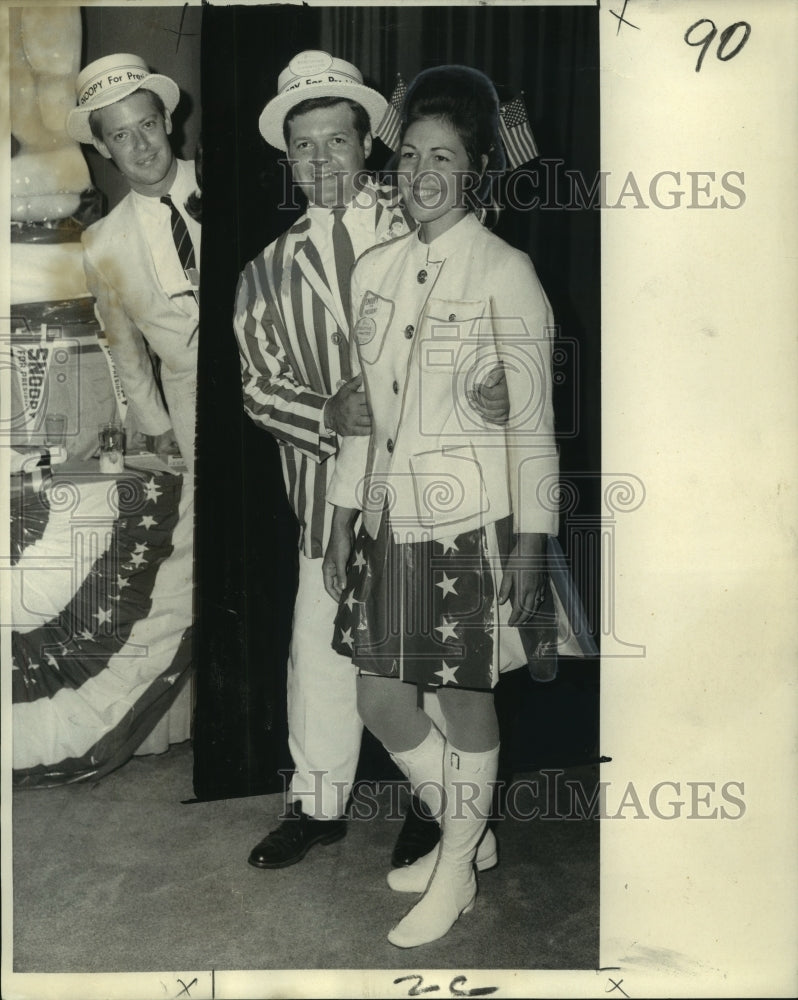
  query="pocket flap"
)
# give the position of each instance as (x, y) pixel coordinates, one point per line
(454, 312)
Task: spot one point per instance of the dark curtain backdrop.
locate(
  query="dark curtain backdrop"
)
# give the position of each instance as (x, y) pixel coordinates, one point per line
(246, 537)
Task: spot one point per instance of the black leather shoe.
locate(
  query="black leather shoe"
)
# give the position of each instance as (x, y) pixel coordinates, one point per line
(419, 834)
(293, 838)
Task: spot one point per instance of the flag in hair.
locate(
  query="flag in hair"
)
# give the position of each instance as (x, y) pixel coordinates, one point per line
(516, 133)
(388, 129)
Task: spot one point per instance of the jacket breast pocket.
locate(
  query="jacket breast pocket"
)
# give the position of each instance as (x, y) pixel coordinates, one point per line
(451, 332)
(374, 319)
(456, 352)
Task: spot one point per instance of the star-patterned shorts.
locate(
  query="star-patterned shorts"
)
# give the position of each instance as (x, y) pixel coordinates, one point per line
(420, 611)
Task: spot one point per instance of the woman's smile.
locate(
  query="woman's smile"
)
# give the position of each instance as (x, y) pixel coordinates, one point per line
(433, 163)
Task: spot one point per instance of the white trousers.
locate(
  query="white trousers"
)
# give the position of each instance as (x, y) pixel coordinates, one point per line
(324, 729)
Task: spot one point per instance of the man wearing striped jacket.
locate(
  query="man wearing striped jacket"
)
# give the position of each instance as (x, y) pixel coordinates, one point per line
(292, 325)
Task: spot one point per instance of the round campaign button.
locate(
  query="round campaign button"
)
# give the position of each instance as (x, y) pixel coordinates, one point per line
(365, 330)
(310, 63)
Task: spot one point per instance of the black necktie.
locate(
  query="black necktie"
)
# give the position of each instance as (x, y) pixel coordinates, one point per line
(183, 244)
(344, 257)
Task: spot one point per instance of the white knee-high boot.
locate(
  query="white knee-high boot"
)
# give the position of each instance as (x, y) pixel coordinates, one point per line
(415, 877)
(468, 779)
(423, 766)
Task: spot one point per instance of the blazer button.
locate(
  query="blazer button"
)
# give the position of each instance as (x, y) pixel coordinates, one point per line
(421, 277)
(409, 331)
(452, 317)
(396, 387)
(336, 338)
(389, 445)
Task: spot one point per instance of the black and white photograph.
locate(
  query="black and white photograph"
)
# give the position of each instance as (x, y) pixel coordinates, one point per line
(383, 613)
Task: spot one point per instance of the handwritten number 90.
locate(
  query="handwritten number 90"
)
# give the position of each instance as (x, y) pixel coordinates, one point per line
(725, 38)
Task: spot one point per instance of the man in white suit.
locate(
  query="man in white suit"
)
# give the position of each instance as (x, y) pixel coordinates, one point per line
(142, 259)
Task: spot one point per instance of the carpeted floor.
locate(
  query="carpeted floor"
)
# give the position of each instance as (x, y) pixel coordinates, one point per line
(122, 876)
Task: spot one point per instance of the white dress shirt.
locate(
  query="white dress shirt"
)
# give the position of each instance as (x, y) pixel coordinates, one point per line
(156, 223)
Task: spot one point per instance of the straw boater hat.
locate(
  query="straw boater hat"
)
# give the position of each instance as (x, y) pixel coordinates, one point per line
(317, 74)
(108, 80)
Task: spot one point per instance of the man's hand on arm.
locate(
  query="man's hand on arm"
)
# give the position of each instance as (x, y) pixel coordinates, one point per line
(490, 398)
(347, 412)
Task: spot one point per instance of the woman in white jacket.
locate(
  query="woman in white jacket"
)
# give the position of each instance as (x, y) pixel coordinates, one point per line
(442, 491)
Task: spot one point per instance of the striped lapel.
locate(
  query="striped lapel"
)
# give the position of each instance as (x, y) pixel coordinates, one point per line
(389, 220)
(321, 289)
(293, 251)
(291, 274)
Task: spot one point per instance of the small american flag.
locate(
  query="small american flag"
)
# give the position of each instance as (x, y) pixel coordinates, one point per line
(516, 133)
(388, 129)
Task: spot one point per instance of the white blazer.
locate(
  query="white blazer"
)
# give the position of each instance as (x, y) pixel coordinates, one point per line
(430, 320)
(131, 305)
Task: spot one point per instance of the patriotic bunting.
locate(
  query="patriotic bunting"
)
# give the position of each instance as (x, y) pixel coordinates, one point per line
(101, 599)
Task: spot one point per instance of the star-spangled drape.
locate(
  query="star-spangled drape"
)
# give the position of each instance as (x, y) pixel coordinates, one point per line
(78, 643)
(30, 510)
(98, 633)
(422, 611)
